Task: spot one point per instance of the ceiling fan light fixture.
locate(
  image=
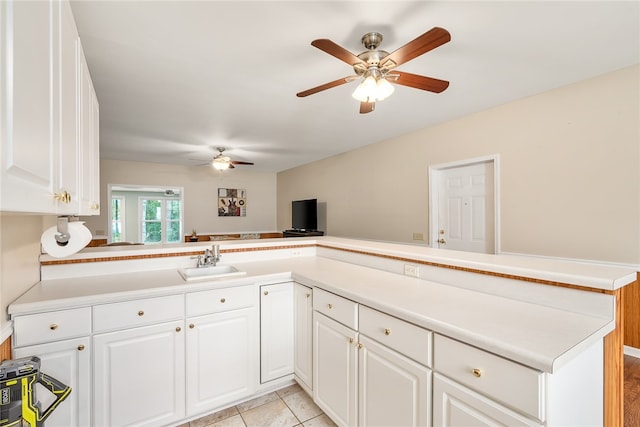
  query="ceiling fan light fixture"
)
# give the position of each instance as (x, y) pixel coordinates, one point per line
(384, 88)
(367, 90)
(221, 163)
(374, 88)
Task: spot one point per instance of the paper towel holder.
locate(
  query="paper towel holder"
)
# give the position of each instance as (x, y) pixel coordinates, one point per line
(62, 236)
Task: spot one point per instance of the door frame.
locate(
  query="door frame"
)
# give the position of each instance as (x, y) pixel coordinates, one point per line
(434, 199)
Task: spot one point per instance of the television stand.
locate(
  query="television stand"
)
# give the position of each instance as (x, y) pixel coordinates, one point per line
(297, 233)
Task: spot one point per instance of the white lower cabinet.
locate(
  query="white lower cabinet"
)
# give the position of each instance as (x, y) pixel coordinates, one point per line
(68, 361)
(276, 331)
(303, 335)
(221, 363)
(379, 376)
(139, 376)
(457, 406)
(393, 389)
(335, 369)
(222, 347)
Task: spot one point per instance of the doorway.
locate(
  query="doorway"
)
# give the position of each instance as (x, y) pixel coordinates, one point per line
(464, 205)
(145, 214)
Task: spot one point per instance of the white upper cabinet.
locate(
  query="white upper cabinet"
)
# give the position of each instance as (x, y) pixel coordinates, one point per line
(89, 166)
(44, 144)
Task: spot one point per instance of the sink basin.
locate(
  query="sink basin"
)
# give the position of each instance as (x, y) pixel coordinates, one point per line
(210, 272)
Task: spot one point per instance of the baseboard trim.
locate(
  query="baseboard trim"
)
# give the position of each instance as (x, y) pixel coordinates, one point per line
(632, 351)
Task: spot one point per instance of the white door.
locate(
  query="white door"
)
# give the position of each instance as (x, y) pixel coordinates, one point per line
(69, 362)
(394, 390)
(335, 369)
(276, 331)
(139, 376)
(465, 200)
(222, 366)
(303, 332)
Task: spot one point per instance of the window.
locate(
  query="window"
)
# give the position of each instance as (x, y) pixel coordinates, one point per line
(117, 219)
(161, 220)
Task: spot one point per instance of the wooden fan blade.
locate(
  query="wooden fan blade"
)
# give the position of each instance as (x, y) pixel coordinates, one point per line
(338, 51)
(430, 40)
(324, 87)
(420, 82)
(367, 107)
(235, 162)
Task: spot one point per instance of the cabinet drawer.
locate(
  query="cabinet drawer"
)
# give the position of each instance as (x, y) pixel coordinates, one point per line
(407, 339)
(219, 300)
(499, 379)
(129, 314)
(51, 326)
(337, 308)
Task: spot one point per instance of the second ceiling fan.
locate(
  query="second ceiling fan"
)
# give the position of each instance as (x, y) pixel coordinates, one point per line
(378, 67)
(222, 162)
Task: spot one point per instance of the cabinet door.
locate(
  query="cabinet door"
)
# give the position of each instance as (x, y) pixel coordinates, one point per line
(139, 376)
(335, 369)
(303, 333)
(456, 406)
(89, 165)
(66, 84)
(27, 92)
(394, 390)
(276, 331)
(69, 362)
(222, 366)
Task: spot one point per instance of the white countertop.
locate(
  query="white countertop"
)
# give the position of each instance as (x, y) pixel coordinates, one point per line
(580, 273)
(535, 335)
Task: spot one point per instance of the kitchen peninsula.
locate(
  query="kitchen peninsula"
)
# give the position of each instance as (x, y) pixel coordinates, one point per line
(523, 340)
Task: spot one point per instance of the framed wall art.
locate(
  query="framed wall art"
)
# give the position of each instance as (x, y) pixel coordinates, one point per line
(232, 202)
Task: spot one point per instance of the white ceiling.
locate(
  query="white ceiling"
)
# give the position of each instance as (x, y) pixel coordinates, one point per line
(177, 78)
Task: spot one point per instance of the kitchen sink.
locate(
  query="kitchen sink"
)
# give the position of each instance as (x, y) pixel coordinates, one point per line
(211, 272)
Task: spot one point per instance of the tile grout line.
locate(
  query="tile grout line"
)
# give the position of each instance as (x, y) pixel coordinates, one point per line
(289, 408)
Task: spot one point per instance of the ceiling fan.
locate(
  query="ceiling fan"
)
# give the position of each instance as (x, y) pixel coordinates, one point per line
(222, 162)
(378, 67)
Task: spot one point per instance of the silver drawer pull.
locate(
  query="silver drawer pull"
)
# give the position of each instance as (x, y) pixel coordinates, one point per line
(80, 347)
(476, 372)
(266, 292)
(141, 313)
(223, 300)
(387, 331)
(330, 306)
(53, 326)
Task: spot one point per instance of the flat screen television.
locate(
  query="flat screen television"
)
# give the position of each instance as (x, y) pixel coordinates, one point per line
(304, 215)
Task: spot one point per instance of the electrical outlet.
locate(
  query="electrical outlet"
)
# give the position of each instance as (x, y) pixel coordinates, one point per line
(296, 252)
(418, 236)
(411, 270)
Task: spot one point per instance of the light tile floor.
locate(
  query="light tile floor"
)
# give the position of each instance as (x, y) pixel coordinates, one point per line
(286, 407)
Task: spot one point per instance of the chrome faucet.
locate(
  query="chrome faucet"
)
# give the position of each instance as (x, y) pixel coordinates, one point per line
(216, 254)
(210, 257)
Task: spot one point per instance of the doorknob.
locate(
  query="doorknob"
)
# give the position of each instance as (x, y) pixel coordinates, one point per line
(442, 241)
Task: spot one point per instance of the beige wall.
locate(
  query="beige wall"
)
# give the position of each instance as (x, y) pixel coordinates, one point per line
(19, 251)
(570, 174)
(200, 185)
